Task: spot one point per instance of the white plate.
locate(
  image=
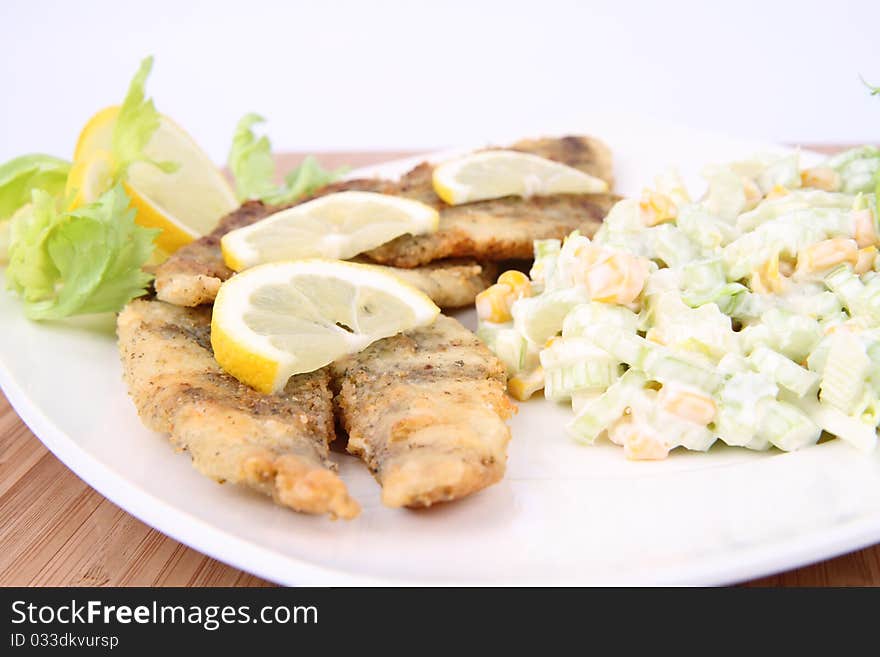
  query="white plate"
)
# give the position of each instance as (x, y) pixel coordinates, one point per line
(564, 514)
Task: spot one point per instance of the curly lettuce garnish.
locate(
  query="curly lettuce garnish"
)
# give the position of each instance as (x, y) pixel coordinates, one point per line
(251, 163)
(20, 176)
(87, 260)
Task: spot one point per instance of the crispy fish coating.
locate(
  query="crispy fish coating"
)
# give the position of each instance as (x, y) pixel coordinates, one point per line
(275, 444)
(425, 410)
(504, 229)
(451, 283)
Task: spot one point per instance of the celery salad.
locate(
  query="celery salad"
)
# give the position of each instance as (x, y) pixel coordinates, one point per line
(751, 316)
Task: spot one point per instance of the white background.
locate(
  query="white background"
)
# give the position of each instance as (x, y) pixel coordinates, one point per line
(338, 75)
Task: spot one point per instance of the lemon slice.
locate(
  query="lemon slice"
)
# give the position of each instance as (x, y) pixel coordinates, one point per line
(89, 178)
(285, 318)
(339, 226)
(498, 173)
(184, 204)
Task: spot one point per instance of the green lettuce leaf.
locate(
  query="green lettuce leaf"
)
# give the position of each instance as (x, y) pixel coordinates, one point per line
(31, 272)
(250, 160)
(303, 180)
(20, 176)
(85, 261)
(138, 120)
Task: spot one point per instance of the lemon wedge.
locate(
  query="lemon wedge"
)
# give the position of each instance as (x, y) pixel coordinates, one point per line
(286, 318)
(498, 173)
(339, 226)
(184, 204)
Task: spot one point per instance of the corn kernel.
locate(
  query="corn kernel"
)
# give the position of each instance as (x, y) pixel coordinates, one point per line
(591, 254)
(657, 208)
(821, 178)
(643, 444)
(688, 405)
(524, 385)
(493, 304)
(828, 253)
(618, 279)
(767, 278)
(867, 256)
(778, 191)
(518, 282)
(865, 231)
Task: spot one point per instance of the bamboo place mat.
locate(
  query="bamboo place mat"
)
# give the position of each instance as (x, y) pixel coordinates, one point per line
(55, 530)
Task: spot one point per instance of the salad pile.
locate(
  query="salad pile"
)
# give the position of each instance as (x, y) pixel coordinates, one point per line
(751, 316)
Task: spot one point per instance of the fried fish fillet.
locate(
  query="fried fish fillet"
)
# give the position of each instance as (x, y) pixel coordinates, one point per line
(504, 229)
(192, 276)
(426, 412)
(495, 230)
(275, 444)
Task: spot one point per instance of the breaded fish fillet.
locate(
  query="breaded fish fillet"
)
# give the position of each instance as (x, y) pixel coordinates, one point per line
(425, 410)
(192, 276)
(504, 229)
(490, 230)
(276, 444)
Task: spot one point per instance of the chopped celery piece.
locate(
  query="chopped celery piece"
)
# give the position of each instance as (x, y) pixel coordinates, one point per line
(785, 373)
(625, 347)
(666, 367)
(845, 373)
(857, 167)
(583, 318)
(546, 252)
(786, 426)
(739, 416)
(540, 318)
(704, 229)
(575, 364)
(851, 429)
(581, 398)
(701, 278)
(510, 347)
(792, 335)
(600, 413)
(671, 246)
(798, 200)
